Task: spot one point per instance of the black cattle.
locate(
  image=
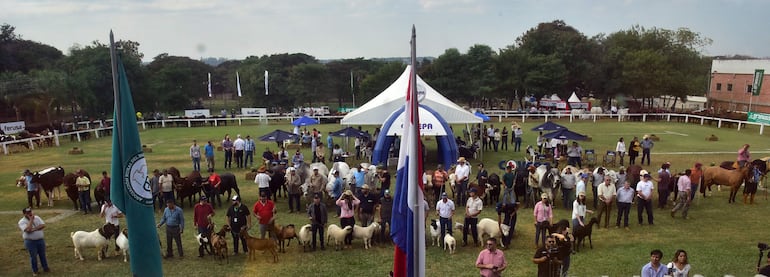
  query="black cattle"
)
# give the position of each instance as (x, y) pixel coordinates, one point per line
(71, 189)
(277, 180)
(49, 179)
(228, 184)
(186, 187)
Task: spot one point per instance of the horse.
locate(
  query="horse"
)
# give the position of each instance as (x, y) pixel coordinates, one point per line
(632, 174)
(715, 175)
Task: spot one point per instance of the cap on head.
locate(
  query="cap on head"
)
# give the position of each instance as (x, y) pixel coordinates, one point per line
(647, 175)
(387, 192)
(461, 160)
(582, 193)
(444, 195)
(203, 198)
(317, 195)
(236, 198)
(474, 190)
(348, 193)
(366, 187)
(26, 210)
(543, 196)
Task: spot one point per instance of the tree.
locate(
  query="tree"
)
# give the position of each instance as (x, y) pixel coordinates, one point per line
(176, 82)
(307, 82)
(373, 84)
(448, 74)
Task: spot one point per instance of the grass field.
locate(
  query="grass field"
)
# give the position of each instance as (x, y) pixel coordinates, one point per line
(720, 238)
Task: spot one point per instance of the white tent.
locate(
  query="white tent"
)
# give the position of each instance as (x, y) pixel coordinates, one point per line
(555, 97)
(573, 98)
(392, 98)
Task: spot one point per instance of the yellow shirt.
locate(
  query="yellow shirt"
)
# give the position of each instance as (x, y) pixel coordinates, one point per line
(83, 183)
(607, 191)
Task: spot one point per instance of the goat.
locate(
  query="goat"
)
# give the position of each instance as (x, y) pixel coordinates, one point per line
(449, 241)
(435, 232)
(553, 228)
(491, 228)
(219, 243)
(255, 244)
(334, 231)
(366, 233)
(580, 233)
(98, 238)
(122, 242)
(305, 235)
(282, 233)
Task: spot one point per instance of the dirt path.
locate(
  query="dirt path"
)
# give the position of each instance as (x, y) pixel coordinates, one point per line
(62, 214)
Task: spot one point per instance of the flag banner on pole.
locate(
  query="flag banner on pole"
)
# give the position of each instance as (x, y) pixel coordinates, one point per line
(238, 79)
(266, 87)
(407, 221)
(209, 84)
(130, 187)
(759, 75)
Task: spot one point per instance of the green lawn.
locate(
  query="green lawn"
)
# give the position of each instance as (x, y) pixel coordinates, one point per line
(720, 238)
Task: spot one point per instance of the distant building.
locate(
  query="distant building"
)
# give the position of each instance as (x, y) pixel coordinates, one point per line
(732, 82)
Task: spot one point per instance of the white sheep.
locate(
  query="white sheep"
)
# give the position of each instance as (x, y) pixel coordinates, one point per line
(450, 242)
(435, 232)
(99, 239)
(366, 233)
(334, 231)
(122, 242)
(491, 228)
(305, 235)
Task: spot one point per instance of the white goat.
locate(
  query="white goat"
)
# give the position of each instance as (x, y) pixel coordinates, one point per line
(491, 228)
(334, 231)
(366, 233)
(99, 239)
(305, 235)
(450, 242)
(122, 242)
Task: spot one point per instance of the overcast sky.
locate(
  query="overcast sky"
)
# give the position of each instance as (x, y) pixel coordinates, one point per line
(329, 29)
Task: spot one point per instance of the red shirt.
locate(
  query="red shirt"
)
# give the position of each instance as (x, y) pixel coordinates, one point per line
(106, 184)
(214, 179)
(201, 213)
(264, 211)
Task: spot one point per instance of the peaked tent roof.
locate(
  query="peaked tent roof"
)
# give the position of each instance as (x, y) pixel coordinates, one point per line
(573, 98)
(392, 98)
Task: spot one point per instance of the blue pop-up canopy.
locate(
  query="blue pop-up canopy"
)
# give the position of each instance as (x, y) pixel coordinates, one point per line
(304, 121)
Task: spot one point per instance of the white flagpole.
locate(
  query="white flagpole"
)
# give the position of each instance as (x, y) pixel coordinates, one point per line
(238, 79)
(209, 84)
(266, 83)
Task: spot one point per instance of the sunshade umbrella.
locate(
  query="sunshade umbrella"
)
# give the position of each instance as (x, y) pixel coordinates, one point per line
(350, 132)
(549, 126)
(481, 115)
(277, 135)
(565, 134)
(304, 121)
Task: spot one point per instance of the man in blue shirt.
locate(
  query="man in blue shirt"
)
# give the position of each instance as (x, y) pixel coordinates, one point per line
(33, 190)
(173, 217)
(209, 149)
(654, 268)
(249, 148)
(330, 144)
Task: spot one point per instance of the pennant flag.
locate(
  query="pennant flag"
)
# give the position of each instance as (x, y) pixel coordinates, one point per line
(130, 188)
(266, 87)
(238, 79)
(407, 221)
(209, 84)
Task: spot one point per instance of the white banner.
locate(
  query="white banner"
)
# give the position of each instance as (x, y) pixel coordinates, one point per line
(429, 125)
(260, 112)
(197, 113)
(10, 128)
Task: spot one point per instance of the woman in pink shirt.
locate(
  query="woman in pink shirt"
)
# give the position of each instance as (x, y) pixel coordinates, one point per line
(743, 155)
(543, 218)
(348, 204)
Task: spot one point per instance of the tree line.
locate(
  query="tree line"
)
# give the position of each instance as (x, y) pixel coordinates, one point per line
(38, 82)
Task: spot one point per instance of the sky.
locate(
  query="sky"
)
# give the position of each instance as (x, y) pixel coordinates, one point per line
(335, 29)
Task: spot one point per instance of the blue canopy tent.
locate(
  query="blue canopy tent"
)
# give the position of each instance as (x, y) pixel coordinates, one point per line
(549, 126)
(277, 136)
(350, 132)
(482, 116)
(304, 121)
(565, 134)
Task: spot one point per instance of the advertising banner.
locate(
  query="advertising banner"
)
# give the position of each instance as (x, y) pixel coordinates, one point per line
(10, 128)
(257, 112)
(197, 113)
(759, 118)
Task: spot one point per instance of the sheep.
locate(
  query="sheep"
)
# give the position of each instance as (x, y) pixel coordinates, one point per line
(490, 227)
(434, 233)
(282, 233)
(122, 242)
(366, 233)
(98, 238)
(449, 241)
(255, 244)
(305, 235)
(334, 231)
(580, 233)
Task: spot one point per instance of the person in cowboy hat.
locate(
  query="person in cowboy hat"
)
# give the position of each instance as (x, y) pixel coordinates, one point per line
(263, 180)
(462, 175)
(644, 191)
(348, 204)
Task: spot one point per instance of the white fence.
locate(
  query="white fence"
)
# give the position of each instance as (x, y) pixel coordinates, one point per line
(99, 129)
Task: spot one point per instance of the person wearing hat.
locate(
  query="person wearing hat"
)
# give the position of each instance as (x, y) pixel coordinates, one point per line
(473, 208)
(579, 211)
(202, 214)
(506, 214)
(647, 145)
(533, 182)
(462, 175)
(237, 217)
(348, 203)
(262, 179)
(173, 218)
(384, 176)
(665, 184)
(32, 227)
(633, 150)
(297, 159)
(385, 207)
(366, 209)
(111, 214)
(33, 189)
(317, 214)
(264, 210)
(543, 214)
(683, 186)
(294, 188)
(580, 186)
(317, 183)
(644, 191)
(574, 154)
(607, 195)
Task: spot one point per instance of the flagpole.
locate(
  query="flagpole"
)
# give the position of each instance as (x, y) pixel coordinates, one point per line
(419, 218)
(116, 90)
(351, 89)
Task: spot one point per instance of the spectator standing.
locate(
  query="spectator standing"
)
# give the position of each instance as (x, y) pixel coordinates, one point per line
(568, 182)
(263, 181)
(543, 214)
(598, 180)
(155, 187)
(238, 218)
(620, 149)
(195, 155)
(491, 262)
(104, 185)
(366, 208)
(654, 268)
(496, 138)
(541, 141)
(32, 227)
(227, 146)
(634, 150)
(84, 191)
(264, 210)
(462, 174)
(317, 183)
(504, 139)
(357, 144)
(173, 218)
(386, 209)
(293, 185)
(625, 198)
(644, 191)
(316, 212)
(647, 145)
(239, 145)
(517, 139)
(330, 145)
(348, 203)
(202, 214)
(167, 185)
(607, 195)
(482, 177)
(472, 210)
(683, 201)
(249, 148)
(665, 181)
(209, 149)
(33, 189)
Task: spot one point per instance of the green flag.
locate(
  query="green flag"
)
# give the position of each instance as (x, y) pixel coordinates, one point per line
(759, 74)
(130, 188)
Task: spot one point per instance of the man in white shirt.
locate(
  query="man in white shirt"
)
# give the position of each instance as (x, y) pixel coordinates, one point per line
(607, 194)
(110, 213)
(644, 191)
(472, 210)
(462, 173)
(263, 181)
(445, 210)
(239, 145)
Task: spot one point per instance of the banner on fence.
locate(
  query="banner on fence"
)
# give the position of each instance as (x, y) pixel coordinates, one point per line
(197, 113)
(759, 118)
(580, 105)
(10, 128)
(258, 112)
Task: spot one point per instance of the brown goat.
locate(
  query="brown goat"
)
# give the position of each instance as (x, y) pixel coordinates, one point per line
(219, 242)
(282, 234)
(255, 244)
